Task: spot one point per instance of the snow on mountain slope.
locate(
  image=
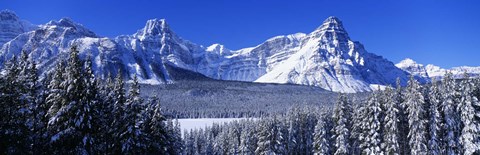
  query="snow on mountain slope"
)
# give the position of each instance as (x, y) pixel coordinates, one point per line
(248, 64)
(413, 67)
(11, 26)
(431, 71)
(156, 45)
(144, 53)
(327, 58)
(47, 41)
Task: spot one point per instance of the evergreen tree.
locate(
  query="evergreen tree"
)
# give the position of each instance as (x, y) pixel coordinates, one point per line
(269, 138)
(118, 100)
(323, 136)
(435, 137)
(451, 127)
(342, 117)
(372, 138)
(98, 109)
(357, 128)
(72, 124)
(105, 115)
(470, 134)
(11, 109)
(248, 141)
(157, 129)
(391, 131)
(132, 137)
(416, 121)
(403, 119)
(189, 142)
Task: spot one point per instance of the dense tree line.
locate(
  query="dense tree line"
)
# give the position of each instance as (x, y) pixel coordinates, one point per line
(439, 118)
(72, 112)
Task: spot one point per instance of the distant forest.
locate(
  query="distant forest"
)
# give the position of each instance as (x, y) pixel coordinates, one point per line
(70, 111)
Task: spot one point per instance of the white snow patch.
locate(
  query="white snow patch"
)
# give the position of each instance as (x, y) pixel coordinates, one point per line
(198, 123)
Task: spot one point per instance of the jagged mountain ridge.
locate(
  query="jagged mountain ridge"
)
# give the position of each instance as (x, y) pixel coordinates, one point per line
(431, 71)
(326, 58)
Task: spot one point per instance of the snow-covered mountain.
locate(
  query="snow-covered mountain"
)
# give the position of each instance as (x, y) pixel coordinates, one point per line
(11, 26)
(413, 67)
(431, 71)
(326, 57)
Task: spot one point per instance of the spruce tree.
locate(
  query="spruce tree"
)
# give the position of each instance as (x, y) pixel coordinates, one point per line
(72, 124)
(342, 117)
(132, 137)
(470, 134)
(403, 119)
(322, 143)
(435, 120)
(391, 131)
(451, 127)
(157, 129)
(371, 125)
(248, 144)
(417, 123)
(11, 124)
(118, 100)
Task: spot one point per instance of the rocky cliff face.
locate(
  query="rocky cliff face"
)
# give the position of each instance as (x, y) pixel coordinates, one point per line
(325, 58)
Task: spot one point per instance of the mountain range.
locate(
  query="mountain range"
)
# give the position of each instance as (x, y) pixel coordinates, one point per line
(325, 58)
(434, 72)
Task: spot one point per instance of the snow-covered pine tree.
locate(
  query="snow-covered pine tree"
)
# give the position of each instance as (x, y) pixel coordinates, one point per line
(322, 141)
(417, 123)
(178, 142)
(3, 112)
(56, 91)
(99, 109)
(209, 143)
(357, 128)
(10, 101)
(452, 120)
(294, 124)
(341, 117)
(248, 142)
(189, 142)
(118, 100)
(105, 107)
(55, 98)
(132, 138)
(157, 129)
(269, 137)
(403, 119)
(72, 124)
(175, 143)
(300, 124)
(434, 120)
(371, 125)
(470, 134)
(234, 140)
(28, 89)
(391, 131)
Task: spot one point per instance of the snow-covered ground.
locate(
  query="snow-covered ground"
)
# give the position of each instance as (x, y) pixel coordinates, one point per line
(189, 124)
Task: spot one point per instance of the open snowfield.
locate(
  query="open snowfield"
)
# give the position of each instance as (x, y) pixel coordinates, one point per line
(189, 124)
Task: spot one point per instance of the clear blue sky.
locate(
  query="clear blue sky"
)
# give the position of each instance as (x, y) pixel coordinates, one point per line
(442, 32)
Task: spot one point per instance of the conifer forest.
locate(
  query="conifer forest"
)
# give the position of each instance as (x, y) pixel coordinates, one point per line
(70, 111)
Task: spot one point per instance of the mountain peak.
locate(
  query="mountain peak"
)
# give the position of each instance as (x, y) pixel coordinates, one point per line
(155, 26)
(332, 19)
(332, 23)
(67, 22)
(406, 63)
(8, 15)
